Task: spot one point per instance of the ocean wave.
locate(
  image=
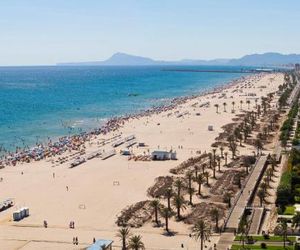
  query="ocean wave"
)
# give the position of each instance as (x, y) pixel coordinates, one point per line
(19, 85)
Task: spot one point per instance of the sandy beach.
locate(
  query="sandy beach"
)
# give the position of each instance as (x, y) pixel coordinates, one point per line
(94, 193)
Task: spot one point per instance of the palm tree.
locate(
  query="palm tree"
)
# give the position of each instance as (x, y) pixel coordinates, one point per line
(123, 234)
(155, 204)
(243, 230)
(167, 214)
(200, 181)
(210, 159)
(217, 107)
(224, 105)
(258, 110)
(201, 231)
(273, 162)
(232, 145)
(264, 104)
(206, 175)
(226, 155)
(222, 151)
(248, 102)
(179, 204)
(215, 215)
(214, 154)
(246, 131)
(261, 195)
(247, 164)
(196, 171)
(296, 220)
(227, 198)
(191, 191)
(189, 176)
(179, 185)
(264, 186)
(135, 243)
(239, 177)
(233, 103)
(203, 166)
(269, 174)
(281, 229)
(219, 163)
(258, 145)
(238, 135)
(214, 169)
(168, 195)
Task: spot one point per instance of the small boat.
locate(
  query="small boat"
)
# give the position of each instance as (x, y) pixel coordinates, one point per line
(133, 94)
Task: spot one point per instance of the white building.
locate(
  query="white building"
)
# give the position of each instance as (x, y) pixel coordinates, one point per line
(159, 155)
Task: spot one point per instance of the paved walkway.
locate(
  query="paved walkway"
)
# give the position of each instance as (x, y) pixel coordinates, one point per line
(294, 93)
(242, 202)
(225, 241)
(258, 213)
(246, 194)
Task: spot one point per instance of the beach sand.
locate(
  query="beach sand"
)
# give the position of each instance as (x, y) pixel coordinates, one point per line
(99, 189)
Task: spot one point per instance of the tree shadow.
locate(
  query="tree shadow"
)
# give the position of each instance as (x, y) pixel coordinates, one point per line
(205, 196)
(170, 233)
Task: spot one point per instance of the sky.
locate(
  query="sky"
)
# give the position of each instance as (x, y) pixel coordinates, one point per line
(45, 32)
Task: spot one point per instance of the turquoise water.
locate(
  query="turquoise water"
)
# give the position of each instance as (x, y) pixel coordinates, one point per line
(41, 102)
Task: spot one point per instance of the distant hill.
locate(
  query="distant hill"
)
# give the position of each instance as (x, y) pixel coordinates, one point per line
(125, 59)
(266, 59)
(119, 59)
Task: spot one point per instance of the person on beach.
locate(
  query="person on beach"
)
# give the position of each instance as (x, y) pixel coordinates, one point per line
(67, 188)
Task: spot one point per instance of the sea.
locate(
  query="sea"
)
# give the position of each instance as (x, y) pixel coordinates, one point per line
(39, 103)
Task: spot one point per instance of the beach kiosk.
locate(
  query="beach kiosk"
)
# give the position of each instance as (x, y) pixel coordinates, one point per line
(21, 214)
(22, 210)
(101, 245)
(26, 211)
(17, 215)
(160, 155)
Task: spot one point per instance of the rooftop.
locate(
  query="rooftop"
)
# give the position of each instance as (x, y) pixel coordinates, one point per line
(99, 243)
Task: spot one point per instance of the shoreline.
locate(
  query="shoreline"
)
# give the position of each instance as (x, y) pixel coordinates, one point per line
(113, 123)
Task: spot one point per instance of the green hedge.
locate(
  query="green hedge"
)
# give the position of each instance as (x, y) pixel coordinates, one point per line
(284, 190)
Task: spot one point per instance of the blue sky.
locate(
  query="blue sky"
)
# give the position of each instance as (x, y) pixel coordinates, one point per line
(37, 32)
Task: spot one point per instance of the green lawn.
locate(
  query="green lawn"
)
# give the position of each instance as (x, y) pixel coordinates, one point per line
(289, 210)
(272, 238)
(256, 247)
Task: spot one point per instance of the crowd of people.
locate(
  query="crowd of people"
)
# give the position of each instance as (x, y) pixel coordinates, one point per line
(75, 142)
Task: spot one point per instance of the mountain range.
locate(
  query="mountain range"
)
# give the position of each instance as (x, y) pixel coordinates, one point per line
(266, 59)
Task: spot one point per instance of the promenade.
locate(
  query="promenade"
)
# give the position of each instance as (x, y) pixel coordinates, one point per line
(294, 93)
(246, 194)
(243, 200)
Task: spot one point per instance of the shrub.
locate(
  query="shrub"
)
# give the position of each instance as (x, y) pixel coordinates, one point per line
(280, 210)
(289, 210)
(263, 245)
(297, 246)
(295, 142)
(297, 198)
